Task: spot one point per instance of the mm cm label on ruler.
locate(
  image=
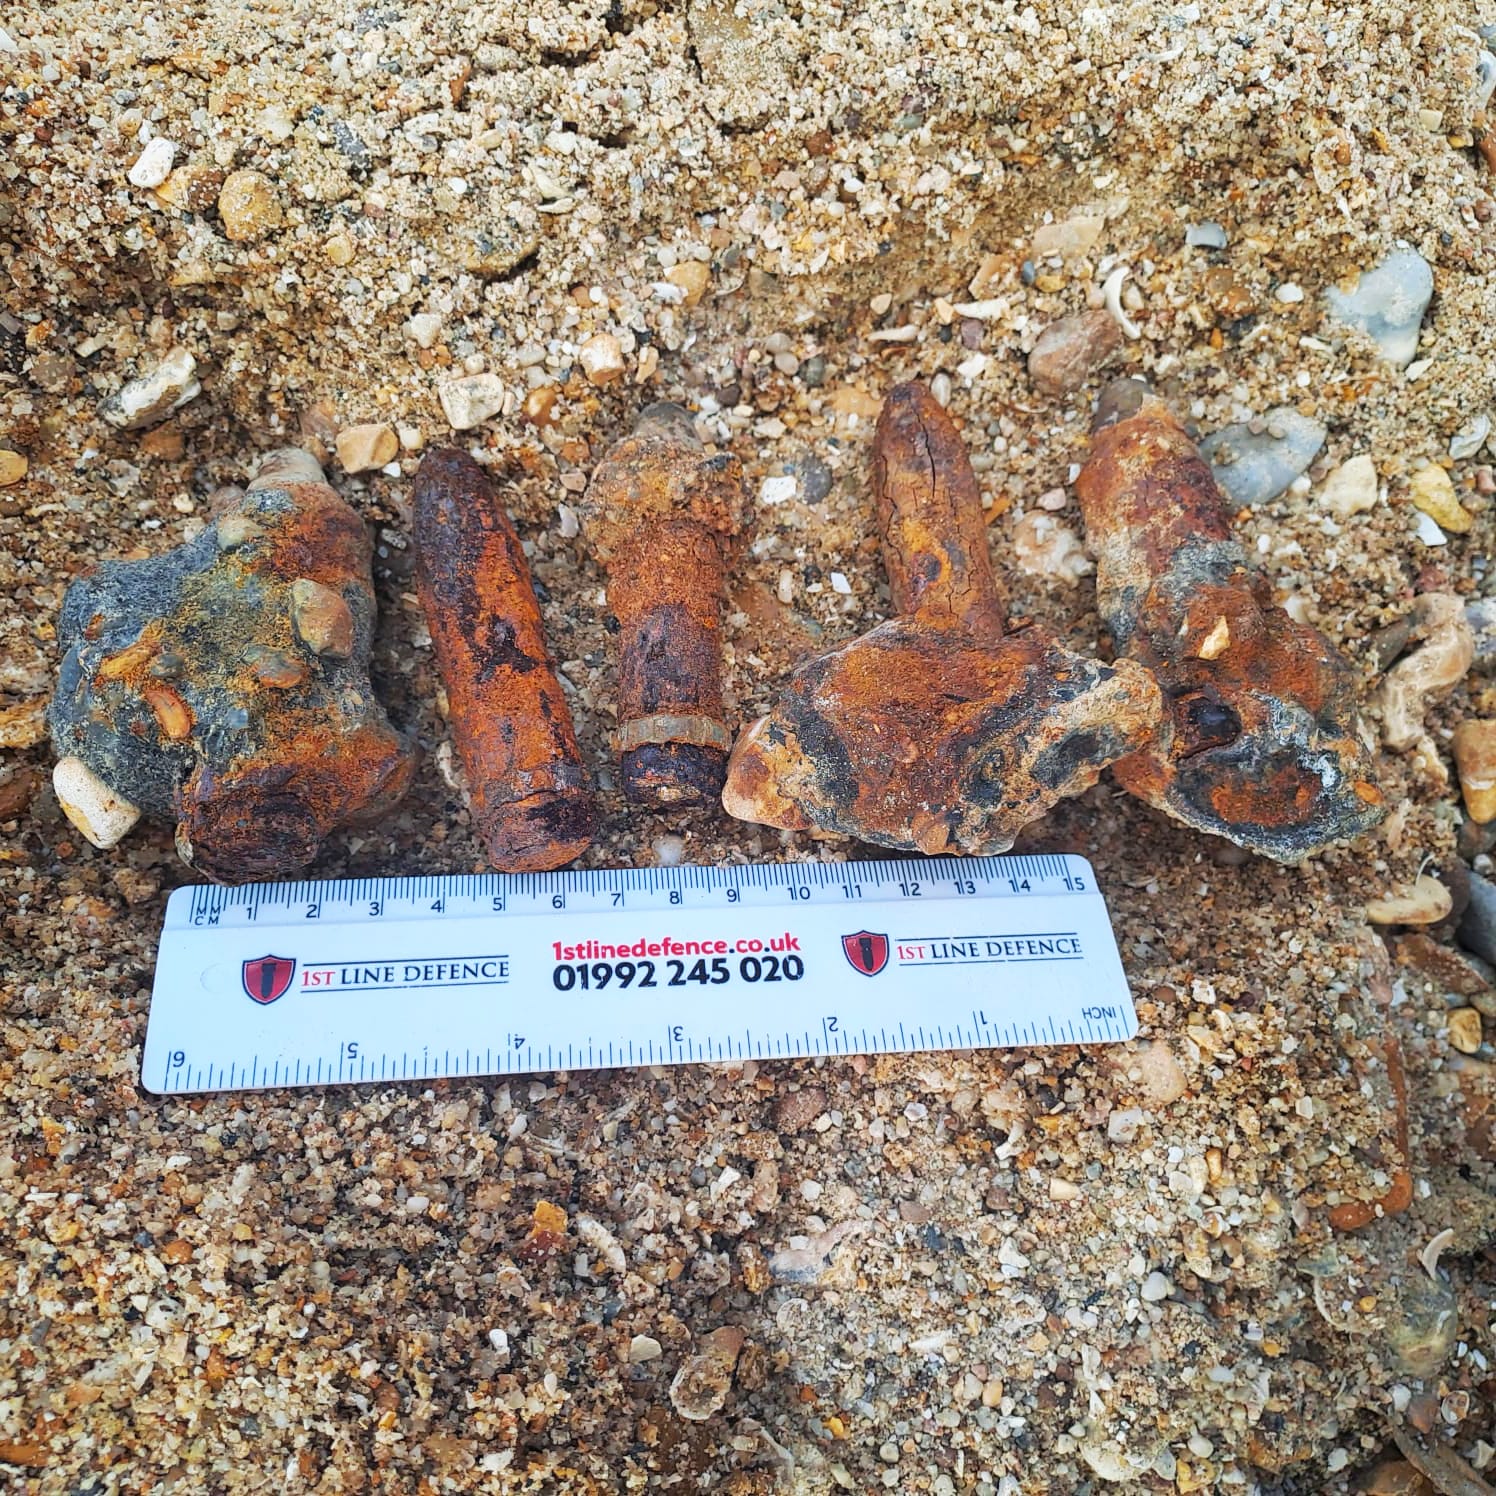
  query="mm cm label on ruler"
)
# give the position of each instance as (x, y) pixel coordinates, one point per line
(401, 979)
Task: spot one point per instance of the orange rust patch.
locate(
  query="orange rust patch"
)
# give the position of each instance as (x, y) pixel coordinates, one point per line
(173, 715)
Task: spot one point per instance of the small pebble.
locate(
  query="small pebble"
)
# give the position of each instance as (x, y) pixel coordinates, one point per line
(154, 396)
(248, 206)
(323, 621)
(815, 478)
(1289, 294)
(1474, 748)
(1351, 488)
(96, 810)
(471, 400)
(1388, 304)
(1255, 465)
(1426, 903)
(1464, 1030)
(1156, 1288)
(1044, 547)
(601, 358)
(1205, 235)
(1470, 438)
(1477, 931)
(643, 1348)
(669, 850)
(778, 489)
(339, 250)
(1069, 351)
(424, 329)
(361, 448)
(1160, 1078)
(153, 165)
(1432, 492)
(13, 466)
(692, 277)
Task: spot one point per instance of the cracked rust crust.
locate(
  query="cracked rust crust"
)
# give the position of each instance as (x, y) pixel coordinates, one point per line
(509, 719)
(659, 512)
(225, 683)
(930, 515)
(919, 736)
(1261, 743)
(934, 733)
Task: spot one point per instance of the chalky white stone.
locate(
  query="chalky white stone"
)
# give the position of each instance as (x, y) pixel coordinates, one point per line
(104, 817)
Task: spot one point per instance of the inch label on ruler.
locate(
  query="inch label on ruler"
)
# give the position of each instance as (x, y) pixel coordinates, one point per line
(394, 979)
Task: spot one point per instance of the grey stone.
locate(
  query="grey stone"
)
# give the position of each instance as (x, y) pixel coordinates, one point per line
(1388, 304)
(1481, 616)
(1255, 461)
(1477, 930)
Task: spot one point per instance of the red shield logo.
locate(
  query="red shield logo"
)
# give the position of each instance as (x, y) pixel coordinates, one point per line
(867, 952)
(267, 977)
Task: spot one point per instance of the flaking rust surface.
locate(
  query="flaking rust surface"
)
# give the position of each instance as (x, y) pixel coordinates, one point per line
(1262, 743)
(512, 727)
(937, 1262)
(934, 732)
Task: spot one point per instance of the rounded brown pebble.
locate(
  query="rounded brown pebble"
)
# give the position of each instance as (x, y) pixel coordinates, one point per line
(1069, 351)
(248, 206)
(362, 448)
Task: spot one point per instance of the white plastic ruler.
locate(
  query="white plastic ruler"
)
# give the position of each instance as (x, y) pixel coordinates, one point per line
(393, 979)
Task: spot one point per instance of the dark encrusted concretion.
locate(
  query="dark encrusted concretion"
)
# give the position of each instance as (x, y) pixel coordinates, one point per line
(225, 684)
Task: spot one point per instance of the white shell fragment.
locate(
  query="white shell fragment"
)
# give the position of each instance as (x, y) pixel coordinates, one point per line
(1470, 438)
(102, 816)
(1112, 295)
(1207, 235)
(1426, 903)
(154, 396)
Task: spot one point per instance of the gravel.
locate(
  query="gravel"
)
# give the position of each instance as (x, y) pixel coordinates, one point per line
(391, 1288)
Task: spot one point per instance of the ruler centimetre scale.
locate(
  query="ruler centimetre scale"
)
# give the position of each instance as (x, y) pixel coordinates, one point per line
(397, 979)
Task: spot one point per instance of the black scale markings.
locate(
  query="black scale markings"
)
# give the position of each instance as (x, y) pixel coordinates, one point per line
(758, 888)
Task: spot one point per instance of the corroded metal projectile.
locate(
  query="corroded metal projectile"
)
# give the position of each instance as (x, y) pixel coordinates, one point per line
(511, 726)
(935, 732)
(660, 513)
(225, 684)
(1261, 742)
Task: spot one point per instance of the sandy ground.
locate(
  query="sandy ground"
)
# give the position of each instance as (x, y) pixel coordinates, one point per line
(343, 1290)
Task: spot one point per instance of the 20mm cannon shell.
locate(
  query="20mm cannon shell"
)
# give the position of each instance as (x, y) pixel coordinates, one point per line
(510, 722)
(1261, 741)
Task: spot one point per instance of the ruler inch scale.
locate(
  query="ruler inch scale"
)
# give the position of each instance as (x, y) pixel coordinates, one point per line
(264, 986)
